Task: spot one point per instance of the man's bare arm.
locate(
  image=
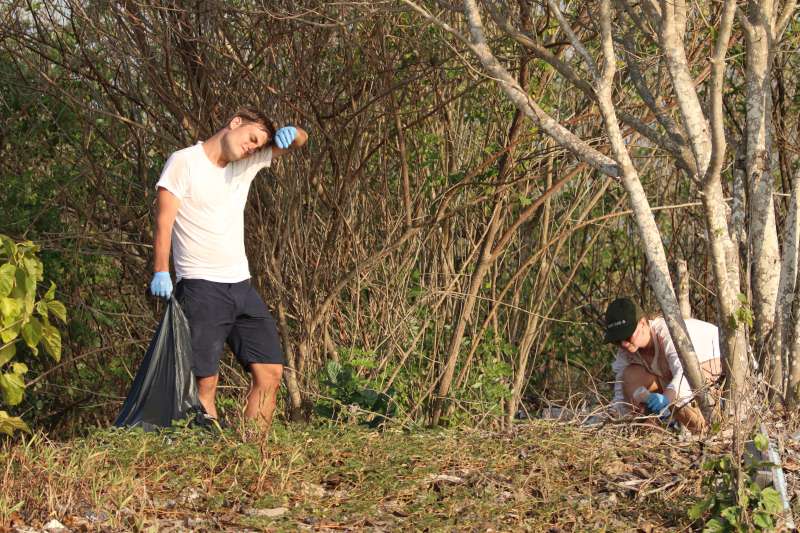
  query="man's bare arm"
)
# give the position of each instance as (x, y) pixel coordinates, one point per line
(167, 205)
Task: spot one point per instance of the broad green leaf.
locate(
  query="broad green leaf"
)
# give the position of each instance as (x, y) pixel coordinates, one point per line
(7, 353)
(10, 332)
(27, 248)
(19, 368)
(20, 283)
(714, 526)
(32, 332)
(369, 397)
(771, 501)
(698, 509)
(333, 369)
(58, 309)
(763, 521)
(51, 292)
(10, 310)
(34, 268)
(41, 308)
(744, 498)
(8, 424)
(7, 274)
(51, 339)
(9, 247)
(25, 289)
(742, 298)
(762, 442)
(12, 386)
(731, 514)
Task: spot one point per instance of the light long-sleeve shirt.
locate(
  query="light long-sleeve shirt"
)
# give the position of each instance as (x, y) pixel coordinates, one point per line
(666, 365)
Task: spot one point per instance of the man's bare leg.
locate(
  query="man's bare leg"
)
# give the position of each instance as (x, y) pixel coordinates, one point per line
(207, 392)
(263, 393)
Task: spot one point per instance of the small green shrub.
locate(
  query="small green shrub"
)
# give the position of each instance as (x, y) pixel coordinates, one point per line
(24, 322)
(346, 395)
(488, 382)
(755, 509)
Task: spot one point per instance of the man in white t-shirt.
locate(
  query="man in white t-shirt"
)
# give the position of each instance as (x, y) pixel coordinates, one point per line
(202, 194)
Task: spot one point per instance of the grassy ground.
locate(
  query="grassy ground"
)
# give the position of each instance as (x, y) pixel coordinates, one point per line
(541, 477)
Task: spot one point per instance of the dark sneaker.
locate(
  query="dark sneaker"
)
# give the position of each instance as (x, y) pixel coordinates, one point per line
(210, 423)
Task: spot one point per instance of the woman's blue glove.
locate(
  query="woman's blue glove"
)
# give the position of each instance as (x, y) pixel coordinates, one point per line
(284, 137)
(161, 285)
(658, 404)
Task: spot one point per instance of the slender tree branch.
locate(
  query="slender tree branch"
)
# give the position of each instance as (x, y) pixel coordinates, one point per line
(573, 38)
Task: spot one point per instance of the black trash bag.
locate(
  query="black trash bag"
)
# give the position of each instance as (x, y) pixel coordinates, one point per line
(164, 389)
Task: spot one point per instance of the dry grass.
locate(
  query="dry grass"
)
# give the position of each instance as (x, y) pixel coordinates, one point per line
(544, 476)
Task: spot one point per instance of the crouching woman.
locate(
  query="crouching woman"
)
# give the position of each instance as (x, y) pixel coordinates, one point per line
(646, 357)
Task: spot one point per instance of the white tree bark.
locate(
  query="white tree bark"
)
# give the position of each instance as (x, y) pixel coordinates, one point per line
(738, 223)
(787, 288)
(682, 280)
(793, 385)
(708, 148)
(673, 21)
(759, 25)
(723, 250)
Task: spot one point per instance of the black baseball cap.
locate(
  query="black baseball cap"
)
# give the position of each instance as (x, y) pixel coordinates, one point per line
(622, 316)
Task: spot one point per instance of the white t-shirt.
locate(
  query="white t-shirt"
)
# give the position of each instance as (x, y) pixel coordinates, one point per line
(705, 338)
(208, 235)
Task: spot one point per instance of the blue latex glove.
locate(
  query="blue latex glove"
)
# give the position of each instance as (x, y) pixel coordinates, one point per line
(284, 137)
(658, 404)
(161, 285)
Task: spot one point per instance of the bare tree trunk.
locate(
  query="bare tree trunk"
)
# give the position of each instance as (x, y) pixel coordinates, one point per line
(532, 330)
(289, 372)
(786, 295)
(670, 36)
(464, 313)
(532, 320)
(738, 224)
(763, 238)
(793, 386)
(487, 257)
(787, 316)
(682, 278)
(723, 251)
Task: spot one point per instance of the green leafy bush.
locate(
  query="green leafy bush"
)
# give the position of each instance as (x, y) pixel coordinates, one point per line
(24, 322)
(755, 508)
(346, 395)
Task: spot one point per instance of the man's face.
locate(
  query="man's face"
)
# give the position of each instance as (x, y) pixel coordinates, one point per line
(243, 139)
(640, 337)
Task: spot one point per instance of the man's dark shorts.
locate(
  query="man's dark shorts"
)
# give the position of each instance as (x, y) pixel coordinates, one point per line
(232, 313)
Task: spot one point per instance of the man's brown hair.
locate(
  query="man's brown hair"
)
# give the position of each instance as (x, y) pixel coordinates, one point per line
(256, 116)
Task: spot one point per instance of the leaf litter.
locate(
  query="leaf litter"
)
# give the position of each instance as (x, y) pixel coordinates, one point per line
(541, 476)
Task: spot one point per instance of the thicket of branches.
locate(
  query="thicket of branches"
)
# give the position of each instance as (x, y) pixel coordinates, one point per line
(433, 238)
